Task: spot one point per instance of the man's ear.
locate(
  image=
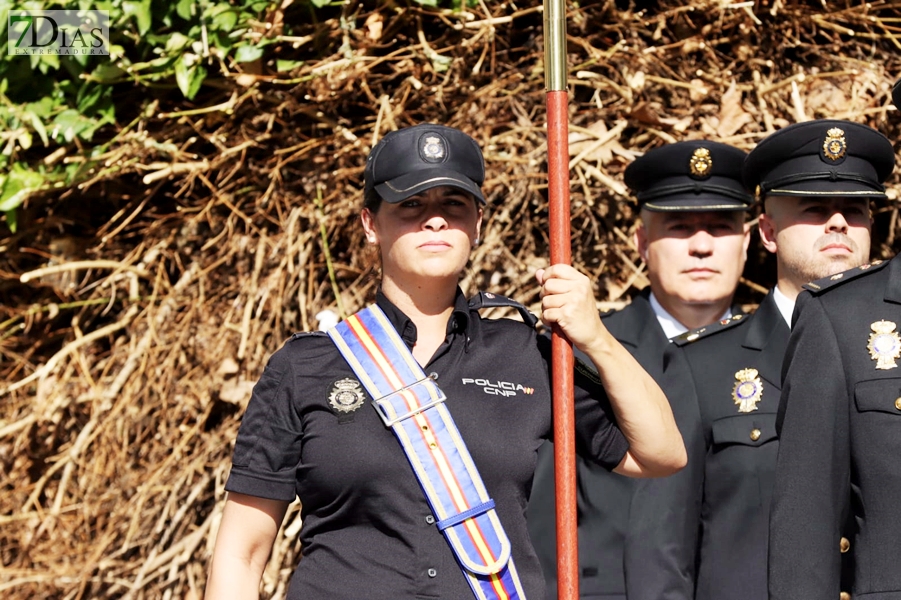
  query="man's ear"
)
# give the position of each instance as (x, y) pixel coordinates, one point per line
(767, 228)
(640, 239)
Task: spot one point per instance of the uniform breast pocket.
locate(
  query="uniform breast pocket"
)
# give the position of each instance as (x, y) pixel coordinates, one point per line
(753, 429)
(742, 461)
(879, 395)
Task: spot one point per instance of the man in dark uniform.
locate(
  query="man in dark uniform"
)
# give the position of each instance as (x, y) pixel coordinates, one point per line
(815, 180)
(840, 431)
(694, 240)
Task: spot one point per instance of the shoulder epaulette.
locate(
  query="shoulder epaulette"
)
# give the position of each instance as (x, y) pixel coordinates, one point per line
(607, 312)
(821, 285)
(708, 330)
(489, 300)
(303, 334)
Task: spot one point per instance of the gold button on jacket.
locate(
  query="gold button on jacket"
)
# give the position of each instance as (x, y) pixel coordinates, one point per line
(755, 434)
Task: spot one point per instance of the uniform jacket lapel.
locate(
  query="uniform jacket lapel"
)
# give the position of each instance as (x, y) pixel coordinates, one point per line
(639, 330)
(768, 334)
(893, 286)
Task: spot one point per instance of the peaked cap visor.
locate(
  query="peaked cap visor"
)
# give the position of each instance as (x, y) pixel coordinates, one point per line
(416, 182)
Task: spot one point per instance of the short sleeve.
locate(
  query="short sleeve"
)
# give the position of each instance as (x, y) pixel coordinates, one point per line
(268, 449)
(598, 438)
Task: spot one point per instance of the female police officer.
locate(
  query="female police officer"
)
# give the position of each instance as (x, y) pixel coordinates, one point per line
(375, 523)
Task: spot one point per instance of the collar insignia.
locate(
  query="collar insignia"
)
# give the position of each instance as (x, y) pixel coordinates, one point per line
(884, 344)
(834, 146)
(701, 163)
(747, 390)
(346, 395)
(433, 148)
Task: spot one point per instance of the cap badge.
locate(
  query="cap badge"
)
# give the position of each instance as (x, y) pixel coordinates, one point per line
(701, 162)
(747, 390)
(346, 395)
(834, 146)
(433, 148)
(884, 344)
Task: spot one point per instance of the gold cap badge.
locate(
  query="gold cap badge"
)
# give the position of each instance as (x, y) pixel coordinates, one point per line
(701, 162)
(834, 146)
(884, 344)
(747, 390)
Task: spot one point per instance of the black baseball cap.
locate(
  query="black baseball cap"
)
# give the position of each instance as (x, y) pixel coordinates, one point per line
(826, 157)
(693, 175)
(409, 161)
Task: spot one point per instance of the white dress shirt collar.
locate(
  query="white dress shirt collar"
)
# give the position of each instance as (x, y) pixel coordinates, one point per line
(785, 306)
(672, 327)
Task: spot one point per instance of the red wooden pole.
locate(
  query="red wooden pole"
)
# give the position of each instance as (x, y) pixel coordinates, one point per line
(561, 252)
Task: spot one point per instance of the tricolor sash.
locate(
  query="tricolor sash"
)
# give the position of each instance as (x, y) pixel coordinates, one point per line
(412, 405)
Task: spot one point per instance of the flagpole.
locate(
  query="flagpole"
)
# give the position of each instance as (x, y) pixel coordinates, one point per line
(555, 73)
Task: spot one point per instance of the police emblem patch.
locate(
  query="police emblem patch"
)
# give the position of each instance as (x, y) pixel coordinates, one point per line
(433, 148)
(834, 146)
(346, 395)
(700, 163)
(747, 390)
(884, 344)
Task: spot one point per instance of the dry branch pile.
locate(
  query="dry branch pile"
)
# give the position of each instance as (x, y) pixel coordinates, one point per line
(137, 311)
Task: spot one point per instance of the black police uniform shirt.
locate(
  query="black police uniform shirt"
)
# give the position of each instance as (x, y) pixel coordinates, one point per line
(367, 528)
(626, 534)
(739, 358)
(840, 446)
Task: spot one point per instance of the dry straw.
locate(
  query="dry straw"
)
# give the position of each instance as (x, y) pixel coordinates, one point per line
(139, 309)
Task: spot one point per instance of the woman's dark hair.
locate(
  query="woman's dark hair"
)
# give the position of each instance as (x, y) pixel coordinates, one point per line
(372, 201)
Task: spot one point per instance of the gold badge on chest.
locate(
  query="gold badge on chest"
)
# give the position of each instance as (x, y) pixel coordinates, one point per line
(884, 344)
(747, 390)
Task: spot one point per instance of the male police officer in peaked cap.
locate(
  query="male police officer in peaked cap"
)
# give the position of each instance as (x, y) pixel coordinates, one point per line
(815, 180)
(840, 438)
(694, 240)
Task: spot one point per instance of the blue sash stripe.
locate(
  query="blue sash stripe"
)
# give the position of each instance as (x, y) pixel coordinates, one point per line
(475, 510)
(435, 449)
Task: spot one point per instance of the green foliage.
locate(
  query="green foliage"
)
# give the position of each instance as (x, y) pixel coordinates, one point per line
(48, 101)
(66, 105)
